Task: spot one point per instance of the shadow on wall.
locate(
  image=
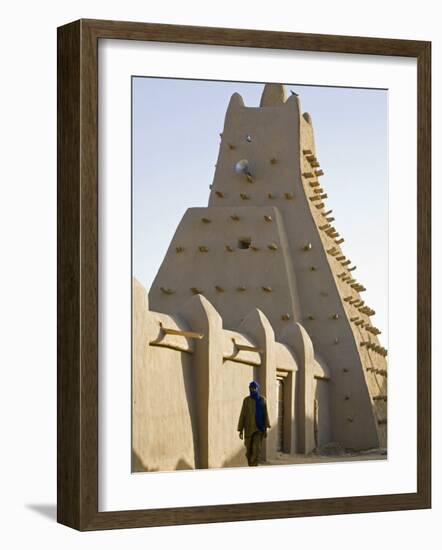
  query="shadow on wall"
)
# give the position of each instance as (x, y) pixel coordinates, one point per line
(183, 465)
(236, 460)
(190, 389)
(138, 465)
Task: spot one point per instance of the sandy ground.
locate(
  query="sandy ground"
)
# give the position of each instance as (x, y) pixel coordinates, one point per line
(345, 456)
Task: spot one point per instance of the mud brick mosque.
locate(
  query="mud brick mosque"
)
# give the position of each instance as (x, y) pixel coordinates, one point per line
(256, 285)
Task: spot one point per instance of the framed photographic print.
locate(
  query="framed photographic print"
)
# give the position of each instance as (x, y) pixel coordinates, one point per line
(243, 262)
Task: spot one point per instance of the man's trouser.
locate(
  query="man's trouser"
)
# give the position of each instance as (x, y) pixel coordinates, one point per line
(253, 447)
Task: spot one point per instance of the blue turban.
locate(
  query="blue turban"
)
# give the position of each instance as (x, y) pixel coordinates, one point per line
(259, 415)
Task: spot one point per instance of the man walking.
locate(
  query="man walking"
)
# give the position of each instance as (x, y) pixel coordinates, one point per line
(253, 421)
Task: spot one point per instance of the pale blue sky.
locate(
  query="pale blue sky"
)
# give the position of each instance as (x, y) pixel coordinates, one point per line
(176, 126)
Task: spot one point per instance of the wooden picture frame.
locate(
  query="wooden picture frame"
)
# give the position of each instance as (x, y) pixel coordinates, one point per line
(77, 225)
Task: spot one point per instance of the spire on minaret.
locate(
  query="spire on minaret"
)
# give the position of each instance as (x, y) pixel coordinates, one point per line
(273, 94)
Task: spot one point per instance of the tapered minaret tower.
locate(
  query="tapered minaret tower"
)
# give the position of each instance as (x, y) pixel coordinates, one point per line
(267, 240)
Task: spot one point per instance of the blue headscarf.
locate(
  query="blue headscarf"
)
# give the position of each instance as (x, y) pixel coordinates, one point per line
(259, 415)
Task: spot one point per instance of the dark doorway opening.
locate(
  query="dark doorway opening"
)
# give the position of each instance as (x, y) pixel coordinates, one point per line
(280, 434)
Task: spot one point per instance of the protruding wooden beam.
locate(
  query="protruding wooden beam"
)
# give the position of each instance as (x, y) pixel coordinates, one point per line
(165, 290)
(185, 333)
(203, 249)
(244, 347)
(358, 287)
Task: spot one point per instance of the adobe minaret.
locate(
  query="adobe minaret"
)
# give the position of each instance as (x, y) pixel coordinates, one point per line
(267, 240)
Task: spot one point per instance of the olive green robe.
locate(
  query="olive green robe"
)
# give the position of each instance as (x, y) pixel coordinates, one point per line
(247, 419)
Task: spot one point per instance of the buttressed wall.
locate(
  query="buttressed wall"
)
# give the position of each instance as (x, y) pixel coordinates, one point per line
(265, 259)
